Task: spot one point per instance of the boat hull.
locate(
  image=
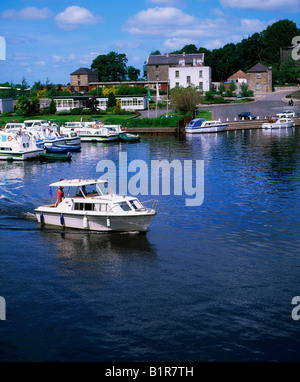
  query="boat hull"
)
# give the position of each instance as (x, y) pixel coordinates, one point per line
(101, 223)
(99, 138)
(20, 156)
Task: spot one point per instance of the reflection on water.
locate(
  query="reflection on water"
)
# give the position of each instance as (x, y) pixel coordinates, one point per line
(212, 282)
(100, 247)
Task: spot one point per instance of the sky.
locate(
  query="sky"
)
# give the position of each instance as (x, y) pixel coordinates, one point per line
(47, 40)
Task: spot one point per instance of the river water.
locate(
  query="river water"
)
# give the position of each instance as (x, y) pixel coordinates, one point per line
(212, 282)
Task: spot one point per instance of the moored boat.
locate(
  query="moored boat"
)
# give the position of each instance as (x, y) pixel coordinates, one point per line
(200, 125)
(91, 205)
(91, 131)
(127, 137)
(278, 123)
(61, 148)
(54, 157)
(17, 146)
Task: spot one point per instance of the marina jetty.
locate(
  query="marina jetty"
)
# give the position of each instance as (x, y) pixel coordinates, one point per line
(233, 125)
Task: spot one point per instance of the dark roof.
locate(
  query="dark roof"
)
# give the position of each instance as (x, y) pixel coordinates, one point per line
(83, 71)
(257, 68)
(173, 59)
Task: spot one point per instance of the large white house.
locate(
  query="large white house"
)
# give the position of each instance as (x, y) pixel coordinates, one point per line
(199, 76)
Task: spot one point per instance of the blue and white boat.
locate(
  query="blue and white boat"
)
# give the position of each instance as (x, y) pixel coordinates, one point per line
(200, 125)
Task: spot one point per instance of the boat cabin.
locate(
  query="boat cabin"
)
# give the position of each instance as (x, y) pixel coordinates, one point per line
(197, 122)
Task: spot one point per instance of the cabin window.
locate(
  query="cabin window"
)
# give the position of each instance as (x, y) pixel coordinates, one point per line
(135, 204)
(79, 206)
(88, 207)
(124, 206)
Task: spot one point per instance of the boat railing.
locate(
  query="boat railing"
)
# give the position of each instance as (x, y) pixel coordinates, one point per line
(150, 205)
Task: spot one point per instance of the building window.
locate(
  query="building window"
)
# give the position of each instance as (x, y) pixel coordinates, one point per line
(176, 84)
(257, 86)
(157, 67)
(177, 74)
(200, 73)
(157, 77)
(78, 76)
(188, 79)
(78, 83)
(258, 75)
(201, 86)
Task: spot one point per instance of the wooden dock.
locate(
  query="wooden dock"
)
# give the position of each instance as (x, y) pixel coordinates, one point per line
(233, 125)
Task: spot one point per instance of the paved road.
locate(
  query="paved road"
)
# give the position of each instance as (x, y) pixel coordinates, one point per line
(268, 104)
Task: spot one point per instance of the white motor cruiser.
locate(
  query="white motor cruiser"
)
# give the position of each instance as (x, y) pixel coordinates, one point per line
(18, 145)
(91, 205)
(200, 125)
(91, 131)
(278, 123)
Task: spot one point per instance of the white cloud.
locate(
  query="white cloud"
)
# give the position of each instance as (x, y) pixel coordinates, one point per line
(85, 58)
(28, 13)
(157, 20)
(73, 17)
(178, 28)
(263, 5)
(177, 43)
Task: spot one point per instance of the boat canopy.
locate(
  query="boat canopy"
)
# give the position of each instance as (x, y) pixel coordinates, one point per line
(77, 182)
(196, 122)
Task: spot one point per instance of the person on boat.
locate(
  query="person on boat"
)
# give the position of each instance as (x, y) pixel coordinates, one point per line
(60, 195)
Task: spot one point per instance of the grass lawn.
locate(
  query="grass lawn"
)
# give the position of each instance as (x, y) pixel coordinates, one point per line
(105, 118)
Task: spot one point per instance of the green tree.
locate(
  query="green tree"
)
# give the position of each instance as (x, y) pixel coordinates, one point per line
(232, 86)
(277, 35)
(133, 73)
(23, 105)
(289, 70)
(110, 67)
(185, 99)
(222, 88)
(111, 100)
(117, 108)
(52, 107)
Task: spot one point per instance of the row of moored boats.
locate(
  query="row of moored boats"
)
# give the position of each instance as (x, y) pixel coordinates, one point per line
(40, 139)
(200, 125)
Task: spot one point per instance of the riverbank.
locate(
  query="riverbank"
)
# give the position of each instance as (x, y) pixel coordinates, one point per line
(233, 125)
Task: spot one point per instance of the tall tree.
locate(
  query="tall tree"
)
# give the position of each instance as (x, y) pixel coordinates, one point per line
(185, 99)
(132, 73)
(110, 67)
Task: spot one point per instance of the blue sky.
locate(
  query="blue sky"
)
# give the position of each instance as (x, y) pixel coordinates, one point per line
(50, 39)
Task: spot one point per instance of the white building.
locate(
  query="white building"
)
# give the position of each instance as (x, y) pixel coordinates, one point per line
(198, 75)
(127, 102)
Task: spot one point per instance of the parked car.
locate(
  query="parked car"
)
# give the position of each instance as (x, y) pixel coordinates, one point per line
(168, 116)
(246, 115)
(298, 114)
(286, 114)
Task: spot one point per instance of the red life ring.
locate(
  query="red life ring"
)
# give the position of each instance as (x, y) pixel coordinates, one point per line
(101, 124)
(9, 138)
(95, 126)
